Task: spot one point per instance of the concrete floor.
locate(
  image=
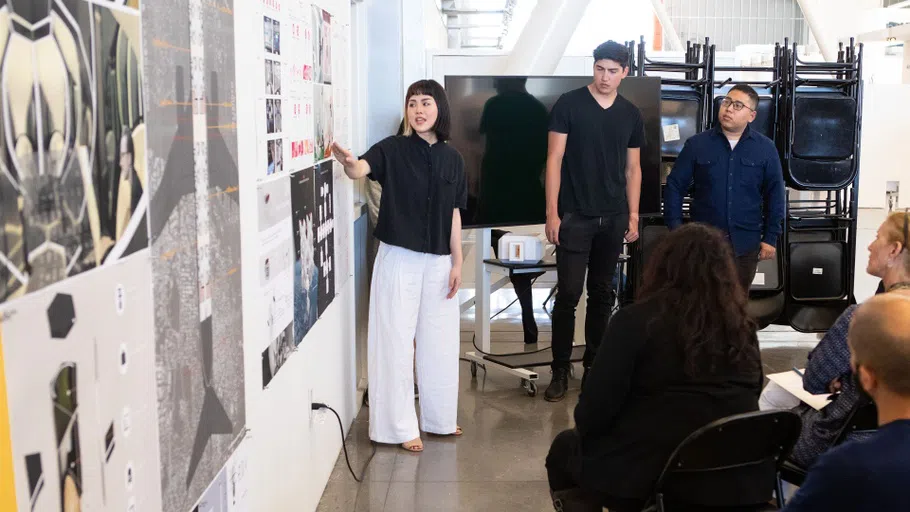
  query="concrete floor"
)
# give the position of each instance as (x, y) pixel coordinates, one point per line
(498, 464)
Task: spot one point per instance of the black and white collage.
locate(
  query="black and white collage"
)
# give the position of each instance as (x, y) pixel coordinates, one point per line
(312, 249)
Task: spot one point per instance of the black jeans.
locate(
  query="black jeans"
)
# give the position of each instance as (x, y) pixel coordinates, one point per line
(563, 473)
(592, 245)
(746, 265)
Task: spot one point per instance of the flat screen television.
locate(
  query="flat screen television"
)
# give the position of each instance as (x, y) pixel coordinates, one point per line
(499, 125)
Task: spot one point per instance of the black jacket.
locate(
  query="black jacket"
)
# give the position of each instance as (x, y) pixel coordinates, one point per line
(638, 404)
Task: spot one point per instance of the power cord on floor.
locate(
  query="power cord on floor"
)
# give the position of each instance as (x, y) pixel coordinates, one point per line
(317, 406)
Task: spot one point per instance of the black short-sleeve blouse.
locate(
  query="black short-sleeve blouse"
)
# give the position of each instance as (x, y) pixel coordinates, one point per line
(421, 186)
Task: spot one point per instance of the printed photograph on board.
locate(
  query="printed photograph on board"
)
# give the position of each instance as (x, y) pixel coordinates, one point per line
(276, 37)
(306, 270)
(272, 115)
(324, 121)
(275, 162)
(322, 46)
(272, 77)
(195, 242)
(267, 33)
(72, 193)
(276, 77)
(277, 353)
(325, 234)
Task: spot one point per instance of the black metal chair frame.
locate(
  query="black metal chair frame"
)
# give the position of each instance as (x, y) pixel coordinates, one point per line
(855, 422)
(657, 502)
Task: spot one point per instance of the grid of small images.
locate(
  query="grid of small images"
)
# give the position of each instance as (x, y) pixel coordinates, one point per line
(273, 142)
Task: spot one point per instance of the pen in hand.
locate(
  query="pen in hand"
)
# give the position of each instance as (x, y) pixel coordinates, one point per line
(795, 369)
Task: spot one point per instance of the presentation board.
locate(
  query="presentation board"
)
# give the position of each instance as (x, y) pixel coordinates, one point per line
(297, 122)
(120, 255)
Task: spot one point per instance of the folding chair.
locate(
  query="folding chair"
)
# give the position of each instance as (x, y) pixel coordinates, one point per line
(743, 444)
(863, 418)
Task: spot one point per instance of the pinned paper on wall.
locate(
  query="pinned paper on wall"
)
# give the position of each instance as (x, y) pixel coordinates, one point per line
(276, 256)
(671, 132)
(343, 196)
(71, 375)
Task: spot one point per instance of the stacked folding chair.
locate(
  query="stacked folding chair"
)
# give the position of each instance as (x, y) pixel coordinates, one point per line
(812, 111)
(820, 125)
(686, 108)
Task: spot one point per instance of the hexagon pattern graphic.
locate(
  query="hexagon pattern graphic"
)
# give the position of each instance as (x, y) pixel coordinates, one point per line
(61, 315)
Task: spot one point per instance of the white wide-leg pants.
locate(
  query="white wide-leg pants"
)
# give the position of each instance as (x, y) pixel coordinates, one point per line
(408, 302)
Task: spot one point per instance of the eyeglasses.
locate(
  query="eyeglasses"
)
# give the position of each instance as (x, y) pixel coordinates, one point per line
(737, 105)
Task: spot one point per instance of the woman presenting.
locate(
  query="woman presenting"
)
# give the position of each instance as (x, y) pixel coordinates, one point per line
(417, 271)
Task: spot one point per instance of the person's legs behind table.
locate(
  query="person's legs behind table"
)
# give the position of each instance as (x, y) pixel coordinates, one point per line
(576, 233)
(394, 307)
(605, 249)
(523, 285)
(438, 346)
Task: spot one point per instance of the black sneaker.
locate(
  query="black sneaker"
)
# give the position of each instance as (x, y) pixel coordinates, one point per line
(556, 391)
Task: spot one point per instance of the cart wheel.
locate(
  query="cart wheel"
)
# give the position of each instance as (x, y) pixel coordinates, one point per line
(532, 389)
(474, 369)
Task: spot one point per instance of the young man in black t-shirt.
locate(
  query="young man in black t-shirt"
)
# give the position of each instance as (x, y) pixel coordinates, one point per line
(593, 187)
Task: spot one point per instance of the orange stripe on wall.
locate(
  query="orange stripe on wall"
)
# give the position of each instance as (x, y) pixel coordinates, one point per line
(7, 480)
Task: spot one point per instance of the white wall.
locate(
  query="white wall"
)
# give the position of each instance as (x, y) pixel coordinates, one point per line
(384, 64)
(291, 456)
(884, 152)
(434, 28)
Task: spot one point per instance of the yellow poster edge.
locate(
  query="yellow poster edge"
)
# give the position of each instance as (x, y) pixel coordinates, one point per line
(7, 479)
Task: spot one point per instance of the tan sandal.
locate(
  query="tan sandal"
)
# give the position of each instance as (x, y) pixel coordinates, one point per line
(458, 433)
(413, 446)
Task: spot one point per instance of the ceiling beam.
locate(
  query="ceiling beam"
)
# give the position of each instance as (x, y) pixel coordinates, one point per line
(470, 26)
(469, 12)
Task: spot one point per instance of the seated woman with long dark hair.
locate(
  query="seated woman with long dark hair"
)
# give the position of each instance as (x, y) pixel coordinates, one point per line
(683, 355)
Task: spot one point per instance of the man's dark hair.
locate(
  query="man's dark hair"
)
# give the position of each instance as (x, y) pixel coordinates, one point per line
(748, 91)
(692, 280)
(611, 50)
(432, 88)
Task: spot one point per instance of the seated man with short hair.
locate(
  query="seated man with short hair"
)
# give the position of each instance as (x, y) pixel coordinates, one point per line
(871, 474)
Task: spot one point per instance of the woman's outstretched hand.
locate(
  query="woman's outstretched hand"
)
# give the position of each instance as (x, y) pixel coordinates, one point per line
(344, 157)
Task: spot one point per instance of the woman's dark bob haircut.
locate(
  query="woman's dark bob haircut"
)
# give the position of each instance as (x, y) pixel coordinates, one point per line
(443, 126)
